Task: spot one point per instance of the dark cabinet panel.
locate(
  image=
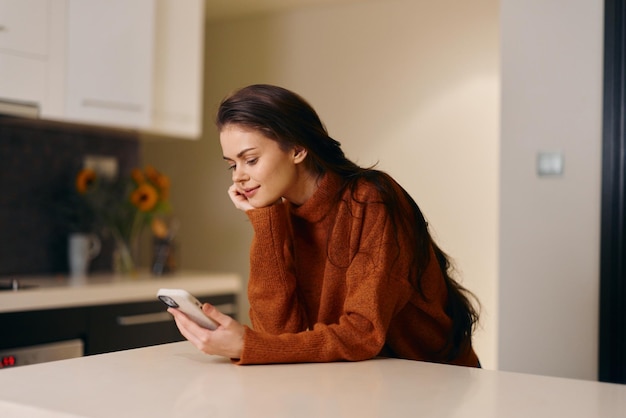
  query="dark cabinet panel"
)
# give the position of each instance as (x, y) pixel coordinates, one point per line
(102, 328)
(120, 327)
(20, 329)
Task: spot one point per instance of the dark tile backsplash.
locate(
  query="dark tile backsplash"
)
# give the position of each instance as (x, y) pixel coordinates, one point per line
(38, 164)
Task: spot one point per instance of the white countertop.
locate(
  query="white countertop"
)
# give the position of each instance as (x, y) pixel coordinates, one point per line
(176, 380)
(62, 292)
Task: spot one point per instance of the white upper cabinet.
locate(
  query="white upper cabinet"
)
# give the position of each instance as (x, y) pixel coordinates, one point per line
(23, 27)
(132, 64)
(110, 61)
(178, 76)
(31, 49)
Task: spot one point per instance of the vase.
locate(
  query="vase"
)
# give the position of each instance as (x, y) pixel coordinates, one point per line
(125, 256)
(163, 256)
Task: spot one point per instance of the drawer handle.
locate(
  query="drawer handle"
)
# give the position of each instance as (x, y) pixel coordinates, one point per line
(105, 104)
(156, 317)
(143, 319)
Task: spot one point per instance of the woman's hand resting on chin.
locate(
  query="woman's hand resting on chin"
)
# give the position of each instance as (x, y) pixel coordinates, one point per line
(226, 340)
(240, 201)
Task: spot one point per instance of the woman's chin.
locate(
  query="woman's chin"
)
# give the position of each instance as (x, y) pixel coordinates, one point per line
(258, 203)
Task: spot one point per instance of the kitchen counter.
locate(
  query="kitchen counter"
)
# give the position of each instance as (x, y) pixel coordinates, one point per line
(176, 380)
(57, 317)
(62, 292)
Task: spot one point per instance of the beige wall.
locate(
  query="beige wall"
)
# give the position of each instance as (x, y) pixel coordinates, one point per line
(411, 84)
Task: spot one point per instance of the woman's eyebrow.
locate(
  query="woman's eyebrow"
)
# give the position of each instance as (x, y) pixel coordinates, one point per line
(240, 154)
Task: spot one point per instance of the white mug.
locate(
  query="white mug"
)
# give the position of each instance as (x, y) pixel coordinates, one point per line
(82, 248)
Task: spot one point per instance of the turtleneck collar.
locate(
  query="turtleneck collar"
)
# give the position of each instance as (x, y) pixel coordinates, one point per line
(322, 201)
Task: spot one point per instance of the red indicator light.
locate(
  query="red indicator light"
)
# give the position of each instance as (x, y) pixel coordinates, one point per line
(7, 361)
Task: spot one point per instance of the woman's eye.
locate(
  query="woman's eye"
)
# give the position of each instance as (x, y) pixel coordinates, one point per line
(231, 167)
(252, 161)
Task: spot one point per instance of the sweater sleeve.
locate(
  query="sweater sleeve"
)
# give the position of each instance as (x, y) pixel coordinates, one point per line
(272, 284)
(376, 289)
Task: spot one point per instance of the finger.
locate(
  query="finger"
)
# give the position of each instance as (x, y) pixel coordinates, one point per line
(213, 313)
(234, 193)
(187, 322)
(239, 200)
(189, 329)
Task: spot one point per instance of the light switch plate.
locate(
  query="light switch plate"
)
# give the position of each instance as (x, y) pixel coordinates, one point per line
(105, 166)
(550, 163)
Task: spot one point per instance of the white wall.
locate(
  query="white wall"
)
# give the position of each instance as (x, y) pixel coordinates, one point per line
(549, 227)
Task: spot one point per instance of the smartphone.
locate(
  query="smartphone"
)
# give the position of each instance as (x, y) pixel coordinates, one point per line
(182, 300)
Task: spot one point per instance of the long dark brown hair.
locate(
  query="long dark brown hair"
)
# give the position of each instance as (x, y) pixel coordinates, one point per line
(287, 118)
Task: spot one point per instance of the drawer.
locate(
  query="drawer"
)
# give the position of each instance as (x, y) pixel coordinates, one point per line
(133, 325)
(20, 329)
(103, 328)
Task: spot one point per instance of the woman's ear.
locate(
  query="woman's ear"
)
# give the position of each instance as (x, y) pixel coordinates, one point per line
(299, 154)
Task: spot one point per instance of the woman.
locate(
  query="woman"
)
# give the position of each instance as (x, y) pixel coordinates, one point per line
(342, 266)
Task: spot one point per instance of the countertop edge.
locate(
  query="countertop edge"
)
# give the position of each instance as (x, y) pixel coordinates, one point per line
(104, 290)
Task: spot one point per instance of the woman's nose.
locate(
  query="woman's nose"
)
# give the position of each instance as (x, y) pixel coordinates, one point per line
(238, 175)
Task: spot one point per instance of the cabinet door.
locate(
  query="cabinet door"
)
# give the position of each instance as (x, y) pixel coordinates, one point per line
(23, 27)
(23, 50)
(22, 79)
(178, 70)
(133, 325)
(110, 60)
(23, 329)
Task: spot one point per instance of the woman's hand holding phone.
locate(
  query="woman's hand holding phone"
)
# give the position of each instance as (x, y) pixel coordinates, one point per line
(224, 337)
(181, 299)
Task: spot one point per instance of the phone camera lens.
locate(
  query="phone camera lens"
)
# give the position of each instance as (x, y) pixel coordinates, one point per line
(168, 301)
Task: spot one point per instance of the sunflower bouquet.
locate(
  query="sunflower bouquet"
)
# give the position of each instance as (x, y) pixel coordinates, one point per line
(123, 207)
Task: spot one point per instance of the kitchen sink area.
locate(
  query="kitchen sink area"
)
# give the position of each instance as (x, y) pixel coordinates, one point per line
(15, 285)
(30, 283)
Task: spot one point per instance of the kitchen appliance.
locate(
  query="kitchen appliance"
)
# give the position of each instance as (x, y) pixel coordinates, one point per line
(42, 353)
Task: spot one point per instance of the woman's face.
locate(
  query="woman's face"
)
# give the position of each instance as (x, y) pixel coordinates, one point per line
(262, 172)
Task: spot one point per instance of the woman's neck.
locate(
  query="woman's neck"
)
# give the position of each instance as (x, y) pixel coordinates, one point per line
(306, 186)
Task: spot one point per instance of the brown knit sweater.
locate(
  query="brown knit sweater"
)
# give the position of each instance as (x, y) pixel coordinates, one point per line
(327, 283)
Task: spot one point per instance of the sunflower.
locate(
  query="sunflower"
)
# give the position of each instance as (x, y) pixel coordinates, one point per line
(137, 176)
(144, 197)
(85, 179)
(157, 179)
(122, 207)
(151, 173)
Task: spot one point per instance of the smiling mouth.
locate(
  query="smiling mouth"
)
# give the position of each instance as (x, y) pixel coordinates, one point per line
(250, 192)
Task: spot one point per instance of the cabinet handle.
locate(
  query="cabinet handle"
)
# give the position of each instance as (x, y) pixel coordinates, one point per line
(156, 317)
(143, 319)
(105, 104)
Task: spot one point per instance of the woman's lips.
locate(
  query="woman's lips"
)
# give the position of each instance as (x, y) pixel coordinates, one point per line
(248, 193)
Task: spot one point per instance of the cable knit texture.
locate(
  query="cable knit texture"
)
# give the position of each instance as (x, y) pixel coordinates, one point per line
(328, 282)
